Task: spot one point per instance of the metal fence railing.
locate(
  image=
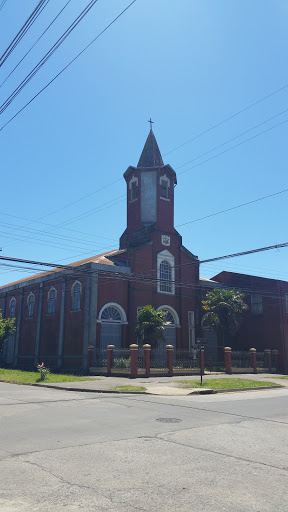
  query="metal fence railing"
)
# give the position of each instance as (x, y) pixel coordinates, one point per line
(185, 359)
(158, 359)
(213, 361)
(101, 358)
(121, 358)
(241, 359)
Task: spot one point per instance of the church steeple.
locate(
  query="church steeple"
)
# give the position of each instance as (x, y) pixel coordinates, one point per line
(150, 198)
(150, 156)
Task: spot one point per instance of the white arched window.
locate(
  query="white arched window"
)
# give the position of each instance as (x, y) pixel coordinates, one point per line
(164, 187)
(12, 307)
(30, 305)
(165, 272)
(76, 291)
(171, 322)
(112, 316)
(133, 187)
(52, 300)
(165, 277)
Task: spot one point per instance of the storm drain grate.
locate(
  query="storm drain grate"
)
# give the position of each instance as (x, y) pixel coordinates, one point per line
(169, 420)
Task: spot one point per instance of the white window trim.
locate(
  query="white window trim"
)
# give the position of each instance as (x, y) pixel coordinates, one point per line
(48, 299)
(134, 179)
(72, 294)
(73, 286)
(54, 289)
(28, 304)
(165, 178)
(173, 313)
(116, 306)
(166, 256)
(10, 302)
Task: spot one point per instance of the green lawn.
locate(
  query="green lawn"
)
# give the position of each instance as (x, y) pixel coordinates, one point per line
(128, 388)
(224, 383)
(278, 377)
(22, 377)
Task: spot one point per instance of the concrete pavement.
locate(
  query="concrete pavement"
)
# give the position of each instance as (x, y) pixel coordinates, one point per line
(168, 386)
(76, 451)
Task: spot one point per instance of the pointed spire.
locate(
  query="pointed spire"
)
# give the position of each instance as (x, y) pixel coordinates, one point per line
(150, 156)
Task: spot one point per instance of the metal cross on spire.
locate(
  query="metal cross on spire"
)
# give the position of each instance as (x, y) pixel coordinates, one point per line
(151, 122)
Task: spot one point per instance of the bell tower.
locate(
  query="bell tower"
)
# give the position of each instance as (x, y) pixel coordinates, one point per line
(150, 197)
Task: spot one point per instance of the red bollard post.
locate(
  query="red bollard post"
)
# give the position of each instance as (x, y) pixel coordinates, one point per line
(134, 361)
(169, 349)
(253, 359)
(227, 357)
(147, 353)
(110, 349)
(267, 352)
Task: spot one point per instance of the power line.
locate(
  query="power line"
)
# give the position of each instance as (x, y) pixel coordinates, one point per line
(141, 276)
(31, 48)
(233, 138)
(47, 56)
(235, 146)
(232, 208)
(24, 29)
(228, 118)
(69, 64)
(2, 4)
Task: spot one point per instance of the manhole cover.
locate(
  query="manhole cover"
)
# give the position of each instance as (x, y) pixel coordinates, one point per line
(169, 420)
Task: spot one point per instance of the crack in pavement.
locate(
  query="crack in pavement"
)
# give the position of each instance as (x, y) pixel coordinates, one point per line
(208, 410)
(208, 450)
(78, 486)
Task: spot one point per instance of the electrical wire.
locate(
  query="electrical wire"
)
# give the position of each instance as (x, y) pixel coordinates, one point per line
(24, 29)
(31, 48)
(2, 4)
(233, 138)
(228, 118)
(67, 65)
(47, 56)
(233, 208)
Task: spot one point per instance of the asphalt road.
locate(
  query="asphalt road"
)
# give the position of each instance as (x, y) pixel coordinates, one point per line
(71, 451)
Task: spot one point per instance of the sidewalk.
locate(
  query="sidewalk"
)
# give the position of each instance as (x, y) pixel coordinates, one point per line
(166, 386)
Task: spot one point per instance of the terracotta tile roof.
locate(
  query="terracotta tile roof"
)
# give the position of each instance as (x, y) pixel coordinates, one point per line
(209, 280)
(98, 258)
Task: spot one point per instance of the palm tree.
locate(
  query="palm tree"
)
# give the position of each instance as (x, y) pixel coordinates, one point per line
(150, 326)
(225, 308)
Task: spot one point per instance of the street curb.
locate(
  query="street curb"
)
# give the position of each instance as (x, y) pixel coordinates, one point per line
(198, 392)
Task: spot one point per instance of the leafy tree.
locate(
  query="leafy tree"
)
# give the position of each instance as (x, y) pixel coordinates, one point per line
(225, 308)
(7, 327)
(150, 325)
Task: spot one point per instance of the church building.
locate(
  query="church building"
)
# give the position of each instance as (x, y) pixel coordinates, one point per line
(94, 302)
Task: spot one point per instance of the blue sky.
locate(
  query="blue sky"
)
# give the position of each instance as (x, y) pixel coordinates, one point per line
(187, 64)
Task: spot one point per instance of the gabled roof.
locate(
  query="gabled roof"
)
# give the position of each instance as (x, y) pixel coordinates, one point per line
(105, 258)
(150, 156)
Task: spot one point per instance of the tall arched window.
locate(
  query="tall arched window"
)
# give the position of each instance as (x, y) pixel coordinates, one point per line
(165, 272)
(76, 296)
(112, 316)
(171, 322)
(30, 305)
(165, 277)
(52, 300)
(12, 307)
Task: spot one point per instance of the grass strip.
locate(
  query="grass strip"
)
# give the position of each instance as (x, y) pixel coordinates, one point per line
(23, 377)
(128, 388)
(225, 383)
(278, 377)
